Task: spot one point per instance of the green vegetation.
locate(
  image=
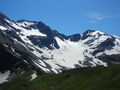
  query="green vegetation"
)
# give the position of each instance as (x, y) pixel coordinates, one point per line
(97, 78)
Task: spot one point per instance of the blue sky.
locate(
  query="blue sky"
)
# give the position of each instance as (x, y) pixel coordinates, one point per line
(67, 16)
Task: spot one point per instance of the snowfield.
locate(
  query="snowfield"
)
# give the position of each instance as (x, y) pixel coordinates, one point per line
(4, 76)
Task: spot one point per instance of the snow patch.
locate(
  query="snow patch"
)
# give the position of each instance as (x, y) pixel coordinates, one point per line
(2, 28)
(33, 76)
(32, 32)
(4, 76)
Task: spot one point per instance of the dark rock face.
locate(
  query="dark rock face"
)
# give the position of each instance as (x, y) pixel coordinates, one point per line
(86, 34)
(41, 26)
(110, 59)
(12, 34)
(46, 41)
(43, 41)
(75, 38)
(10, 62)
(107, 44)
(61, 36)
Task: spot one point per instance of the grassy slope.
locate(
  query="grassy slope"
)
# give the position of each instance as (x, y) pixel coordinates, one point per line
(97, 78)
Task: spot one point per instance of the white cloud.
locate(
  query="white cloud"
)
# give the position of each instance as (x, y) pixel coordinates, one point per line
(93, 21)
(97, 16)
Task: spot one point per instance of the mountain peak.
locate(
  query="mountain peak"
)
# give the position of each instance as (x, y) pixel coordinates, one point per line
(93, 32)
(3, 16)
(89, 33)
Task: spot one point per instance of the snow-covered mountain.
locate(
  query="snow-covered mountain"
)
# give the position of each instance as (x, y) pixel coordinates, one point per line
(26, 43)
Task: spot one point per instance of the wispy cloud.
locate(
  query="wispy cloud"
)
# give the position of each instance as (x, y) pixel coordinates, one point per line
(95, 16)
(93, 21)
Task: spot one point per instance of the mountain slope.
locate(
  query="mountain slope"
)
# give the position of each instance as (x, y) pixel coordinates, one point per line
(95, 78)
(37, 45)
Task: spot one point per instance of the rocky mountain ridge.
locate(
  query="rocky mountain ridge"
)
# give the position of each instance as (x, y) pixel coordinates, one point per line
(26, 43)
